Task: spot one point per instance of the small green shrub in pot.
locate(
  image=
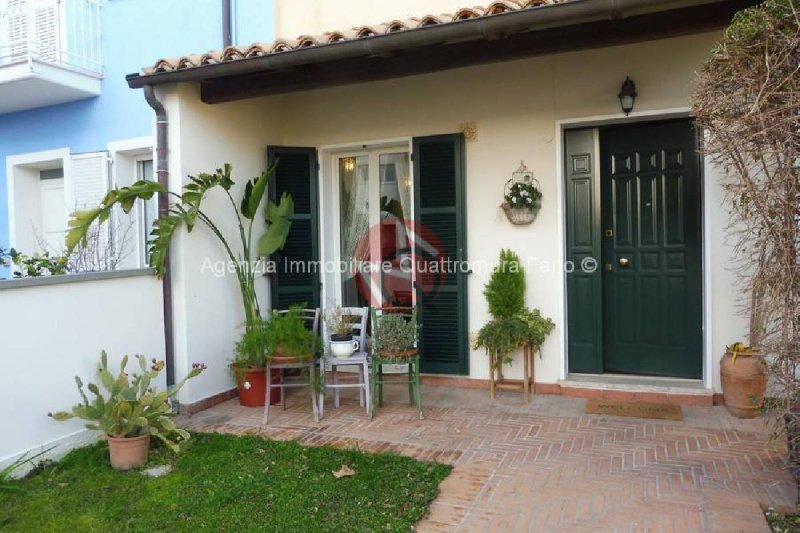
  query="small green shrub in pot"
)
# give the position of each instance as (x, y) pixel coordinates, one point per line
(505, 291)
(130, 411)
(287, 336)
(395, 333)
(512, 324)
(251, 349)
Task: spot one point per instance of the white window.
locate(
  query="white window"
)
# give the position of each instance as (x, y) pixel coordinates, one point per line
(38, 204)
(44, 188)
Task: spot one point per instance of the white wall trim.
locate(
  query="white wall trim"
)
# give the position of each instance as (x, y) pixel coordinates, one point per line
(708, 346)
(136, 144)
(365, 145)
(31, 159)
(620, 118)
(53, 450)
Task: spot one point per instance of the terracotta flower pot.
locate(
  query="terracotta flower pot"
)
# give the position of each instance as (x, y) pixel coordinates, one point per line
(128, 452)
(252, 387)
(744, 383)
(280, 357)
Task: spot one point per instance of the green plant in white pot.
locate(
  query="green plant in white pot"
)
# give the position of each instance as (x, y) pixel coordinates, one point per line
(130, 411)
(340, 330)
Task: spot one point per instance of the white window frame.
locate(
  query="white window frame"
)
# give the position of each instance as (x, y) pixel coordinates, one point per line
(330, 171)
(131, 152)
(33, 161)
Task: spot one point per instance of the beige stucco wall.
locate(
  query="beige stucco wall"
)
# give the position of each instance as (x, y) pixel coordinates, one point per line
(313, 17)
(516, 106)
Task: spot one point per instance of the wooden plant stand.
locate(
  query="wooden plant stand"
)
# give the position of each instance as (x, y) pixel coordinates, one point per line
(497, 382)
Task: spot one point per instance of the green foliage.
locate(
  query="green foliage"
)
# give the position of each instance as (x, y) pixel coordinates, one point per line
(523, 195)
(228, 483)
(513, 325)
(783, 523)
(537, 327)
(287, 334)
(186, 211)
(505, 292)
(251, 350)
(501, 336)
(750, 25)
(131, 405)
(81, 221)
(395, 333)
(6, 481)
(33, 266)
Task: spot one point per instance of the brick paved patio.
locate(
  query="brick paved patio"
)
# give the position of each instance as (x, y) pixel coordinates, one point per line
(548, 466)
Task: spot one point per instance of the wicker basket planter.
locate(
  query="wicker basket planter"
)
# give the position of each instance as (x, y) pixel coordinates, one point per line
(521, 216)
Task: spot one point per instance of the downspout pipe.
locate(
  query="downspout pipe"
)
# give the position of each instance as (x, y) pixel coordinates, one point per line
(486, 27)
(162, 173)
(227, 16)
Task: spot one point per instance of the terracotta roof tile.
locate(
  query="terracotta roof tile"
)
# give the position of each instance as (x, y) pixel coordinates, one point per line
(236, 53)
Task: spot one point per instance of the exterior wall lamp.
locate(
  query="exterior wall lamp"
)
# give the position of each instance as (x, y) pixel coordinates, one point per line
(627, 95)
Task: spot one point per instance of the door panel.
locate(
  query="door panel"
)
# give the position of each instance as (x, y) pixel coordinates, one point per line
(652, 286)
(440, 222)
(584, 296)
(296, 279)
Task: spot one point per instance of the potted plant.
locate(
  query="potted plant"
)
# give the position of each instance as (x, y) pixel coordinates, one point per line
(185, 211)
(512, 325)
(395, 336)
(288, 340)
(250, 355)
(744, 380)
(131, 411)
(523, 199)
(340, 330)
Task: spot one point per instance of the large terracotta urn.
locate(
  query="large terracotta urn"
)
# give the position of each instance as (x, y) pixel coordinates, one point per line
(744, 383)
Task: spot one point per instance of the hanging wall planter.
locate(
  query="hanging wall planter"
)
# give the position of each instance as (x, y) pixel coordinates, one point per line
(523, 197)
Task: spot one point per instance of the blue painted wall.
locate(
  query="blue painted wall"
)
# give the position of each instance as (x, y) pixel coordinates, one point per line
(135, 33)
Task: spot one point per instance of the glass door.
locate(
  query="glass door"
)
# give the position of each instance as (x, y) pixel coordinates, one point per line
(375, 228)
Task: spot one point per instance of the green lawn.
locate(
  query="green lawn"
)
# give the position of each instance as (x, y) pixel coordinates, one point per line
(227, 483)
(783, 523)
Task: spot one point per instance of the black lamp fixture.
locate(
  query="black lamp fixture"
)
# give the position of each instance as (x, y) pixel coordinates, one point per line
(627, 95)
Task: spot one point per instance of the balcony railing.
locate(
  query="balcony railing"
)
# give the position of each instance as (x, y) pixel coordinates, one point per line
(63, 33)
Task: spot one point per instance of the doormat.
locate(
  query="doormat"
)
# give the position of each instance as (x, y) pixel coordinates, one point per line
(660, 411)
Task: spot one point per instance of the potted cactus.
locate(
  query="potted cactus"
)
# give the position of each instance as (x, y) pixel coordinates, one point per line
(131, 411)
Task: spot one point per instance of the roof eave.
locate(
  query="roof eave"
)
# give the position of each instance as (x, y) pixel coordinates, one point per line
(486, 27)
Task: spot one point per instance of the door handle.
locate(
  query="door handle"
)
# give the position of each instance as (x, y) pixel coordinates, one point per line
(623, 262)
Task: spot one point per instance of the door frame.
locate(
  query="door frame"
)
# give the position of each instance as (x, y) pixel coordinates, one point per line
(598, 121)
(330, 222)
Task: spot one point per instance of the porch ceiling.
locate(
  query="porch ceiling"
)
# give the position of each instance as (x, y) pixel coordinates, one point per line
(558, 26)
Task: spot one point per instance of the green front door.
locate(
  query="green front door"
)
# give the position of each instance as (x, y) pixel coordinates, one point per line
(651, 256)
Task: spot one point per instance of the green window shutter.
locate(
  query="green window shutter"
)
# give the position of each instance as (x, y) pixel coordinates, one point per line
(440, 213)
(584, 289)
(296, 279)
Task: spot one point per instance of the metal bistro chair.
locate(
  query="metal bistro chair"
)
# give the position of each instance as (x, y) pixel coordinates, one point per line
(312, 319)
(411, 358)
(358, 317)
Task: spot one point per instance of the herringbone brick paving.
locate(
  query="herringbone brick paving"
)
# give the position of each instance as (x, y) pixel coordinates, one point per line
(547, 466)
